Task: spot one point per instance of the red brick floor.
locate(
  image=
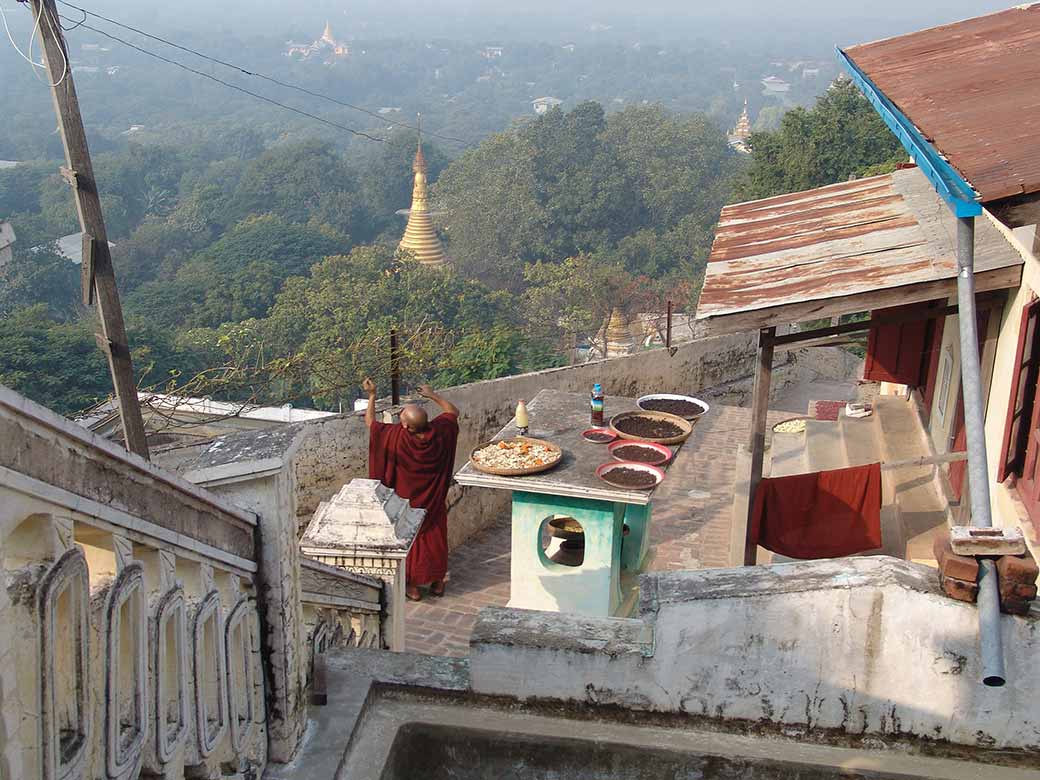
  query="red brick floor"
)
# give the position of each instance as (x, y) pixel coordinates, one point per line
(690, 530)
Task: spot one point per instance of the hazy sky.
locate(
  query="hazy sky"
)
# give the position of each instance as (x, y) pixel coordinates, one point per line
(840, 20)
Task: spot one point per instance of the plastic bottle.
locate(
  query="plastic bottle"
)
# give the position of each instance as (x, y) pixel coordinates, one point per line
(598, 404)
(522, 418)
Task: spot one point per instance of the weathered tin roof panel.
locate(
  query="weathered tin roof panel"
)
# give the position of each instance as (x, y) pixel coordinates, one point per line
(973, 90)
(818, 253)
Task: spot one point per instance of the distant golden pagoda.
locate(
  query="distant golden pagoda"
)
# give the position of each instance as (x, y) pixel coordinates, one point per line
(420, 237)
(738, 138)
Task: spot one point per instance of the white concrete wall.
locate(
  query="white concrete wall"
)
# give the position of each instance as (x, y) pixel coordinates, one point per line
(861, 645)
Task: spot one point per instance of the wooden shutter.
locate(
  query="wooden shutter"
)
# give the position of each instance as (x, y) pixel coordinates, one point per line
(1023, 392)
(896, 353)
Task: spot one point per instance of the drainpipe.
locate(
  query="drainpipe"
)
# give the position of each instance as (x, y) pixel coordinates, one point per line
(990, 640)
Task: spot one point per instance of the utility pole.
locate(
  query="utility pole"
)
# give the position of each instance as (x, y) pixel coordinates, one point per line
(99, 281)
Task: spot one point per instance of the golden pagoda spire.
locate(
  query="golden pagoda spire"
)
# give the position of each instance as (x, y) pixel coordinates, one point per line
(420, 237)
(743, 128)
(617, 335)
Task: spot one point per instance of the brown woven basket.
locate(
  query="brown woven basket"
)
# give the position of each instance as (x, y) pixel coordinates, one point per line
(684, 425)
(518, 472)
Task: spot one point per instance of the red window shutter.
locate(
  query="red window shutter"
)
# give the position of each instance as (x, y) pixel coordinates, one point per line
(896, 353)
(1023, 392)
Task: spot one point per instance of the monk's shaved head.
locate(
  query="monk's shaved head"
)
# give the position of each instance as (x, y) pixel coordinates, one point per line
(414, 418)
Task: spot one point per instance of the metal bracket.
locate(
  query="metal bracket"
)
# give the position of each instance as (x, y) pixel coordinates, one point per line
(87, 269)
(70, 176)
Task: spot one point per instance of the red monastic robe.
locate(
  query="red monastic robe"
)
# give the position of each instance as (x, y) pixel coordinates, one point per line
(420, 470)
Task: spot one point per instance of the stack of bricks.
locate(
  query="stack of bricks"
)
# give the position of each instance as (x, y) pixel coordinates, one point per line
(1016, 577)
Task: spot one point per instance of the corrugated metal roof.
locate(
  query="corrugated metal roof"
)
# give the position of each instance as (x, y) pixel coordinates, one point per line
(841, 249)
(973, 90)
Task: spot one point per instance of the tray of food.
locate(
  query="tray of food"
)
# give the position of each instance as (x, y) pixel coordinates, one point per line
(599, 435)
(659, 427)
(630, 476)
(792, 425)
(640, 452)
(516, 456)
(685, 406)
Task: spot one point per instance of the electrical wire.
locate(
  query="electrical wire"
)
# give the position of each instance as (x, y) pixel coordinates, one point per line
(265, 77)
(60, 43)
(235, 87)
(30, 60)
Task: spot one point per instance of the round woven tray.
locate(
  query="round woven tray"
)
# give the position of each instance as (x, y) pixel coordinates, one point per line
(684, 425)
(518, 472)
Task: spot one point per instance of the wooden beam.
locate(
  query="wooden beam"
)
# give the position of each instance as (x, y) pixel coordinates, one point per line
(757, 443)
(824, 341)
(988, 301)
(79, 172)
(771, 316)
(925, 460)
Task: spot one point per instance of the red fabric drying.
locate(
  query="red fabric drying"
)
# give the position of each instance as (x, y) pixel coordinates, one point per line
(827, 514)
(419, 469)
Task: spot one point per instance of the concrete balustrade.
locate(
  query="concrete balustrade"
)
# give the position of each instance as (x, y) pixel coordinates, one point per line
(138, 631)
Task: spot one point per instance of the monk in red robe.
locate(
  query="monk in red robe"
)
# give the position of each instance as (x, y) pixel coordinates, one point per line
(416, 457)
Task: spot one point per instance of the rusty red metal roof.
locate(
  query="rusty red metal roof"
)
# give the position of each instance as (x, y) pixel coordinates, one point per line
(842, 249)
(972, 88)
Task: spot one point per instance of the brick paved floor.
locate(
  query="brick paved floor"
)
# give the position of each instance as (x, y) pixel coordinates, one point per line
(690, 530)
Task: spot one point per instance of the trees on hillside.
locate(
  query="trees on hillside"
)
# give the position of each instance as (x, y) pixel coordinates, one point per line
(841, 136)
(582, 182)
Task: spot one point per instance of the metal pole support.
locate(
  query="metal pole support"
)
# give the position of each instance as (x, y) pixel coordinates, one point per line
(990, 640)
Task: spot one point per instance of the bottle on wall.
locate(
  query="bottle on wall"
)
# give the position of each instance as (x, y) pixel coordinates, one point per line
(598, 404)
(523, 420)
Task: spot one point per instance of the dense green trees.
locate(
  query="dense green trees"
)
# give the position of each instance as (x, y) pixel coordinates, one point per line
(841, 136)
(270, 274)
(640, 189)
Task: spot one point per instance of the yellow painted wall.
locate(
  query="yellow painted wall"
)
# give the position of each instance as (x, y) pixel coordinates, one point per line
(1007, 509)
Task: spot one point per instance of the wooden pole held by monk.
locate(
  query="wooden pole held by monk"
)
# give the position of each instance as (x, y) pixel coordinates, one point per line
(99, 279)
(757, 444)
(395, 369)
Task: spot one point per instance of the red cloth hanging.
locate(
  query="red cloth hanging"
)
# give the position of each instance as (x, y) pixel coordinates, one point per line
(419, 469)
(827, 514)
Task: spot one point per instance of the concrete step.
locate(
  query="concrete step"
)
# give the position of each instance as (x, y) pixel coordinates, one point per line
(824, 446)
(787, 455)
(861, 439)
(923, 510)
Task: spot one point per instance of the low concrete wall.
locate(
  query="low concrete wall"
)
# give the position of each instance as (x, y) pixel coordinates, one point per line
(862, 646)
(328, 453)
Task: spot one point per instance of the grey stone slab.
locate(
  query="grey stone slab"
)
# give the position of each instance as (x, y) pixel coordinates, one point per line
(561, 418)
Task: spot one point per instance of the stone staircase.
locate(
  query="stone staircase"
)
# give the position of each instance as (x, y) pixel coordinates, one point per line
(913, 509)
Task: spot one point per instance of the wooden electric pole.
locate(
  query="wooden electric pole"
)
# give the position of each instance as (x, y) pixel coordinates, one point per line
(99, 281)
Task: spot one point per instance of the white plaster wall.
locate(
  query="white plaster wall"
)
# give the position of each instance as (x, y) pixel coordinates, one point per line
(1007, 509)
(273, 498)
(864, 645)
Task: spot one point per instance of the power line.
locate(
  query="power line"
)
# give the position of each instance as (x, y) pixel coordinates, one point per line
(257, 95)
(265, 77)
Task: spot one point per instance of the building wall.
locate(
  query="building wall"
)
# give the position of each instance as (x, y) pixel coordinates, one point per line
(900, 659)
(129, 613)
(1008, 510)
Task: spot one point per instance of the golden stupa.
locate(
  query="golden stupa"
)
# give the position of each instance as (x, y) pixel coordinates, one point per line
(420, 237)
(617, 335)
(743, 128)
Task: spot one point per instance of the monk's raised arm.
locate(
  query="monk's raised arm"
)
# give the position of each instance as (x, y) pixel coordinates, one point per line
(370, 411)
(446, 406)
